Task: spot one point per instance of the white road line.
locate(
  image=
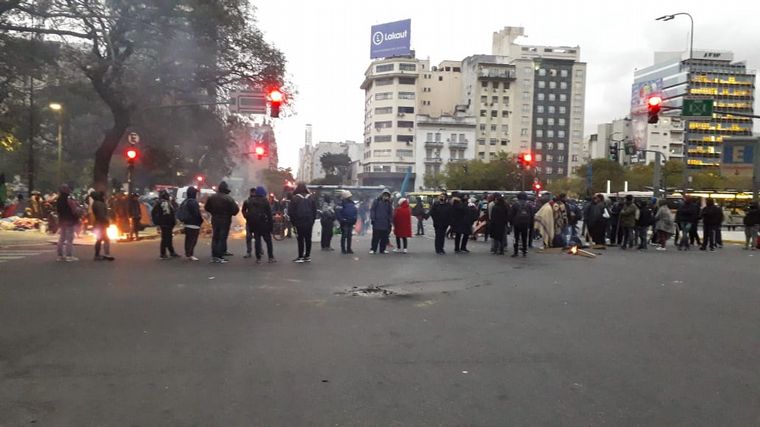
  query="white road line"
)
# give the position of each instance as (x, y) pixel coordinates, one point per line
(23, 252)
(11, 257)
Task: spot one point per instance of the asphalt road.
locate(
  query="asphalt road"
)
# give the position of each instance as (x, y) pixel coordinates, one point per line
(627, 338)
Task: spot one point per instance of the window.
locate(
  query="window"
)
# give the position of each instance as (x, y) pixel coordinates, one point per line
(524, 132)
(552, 84)
(493, 128)
(495, 100)
(539, 145)
(527, 70)
(494, 113)
(383, 138)
(563, 73)
(506, 86)
(406, 95)
(538, 157)
(561, 171)
(550, 121)
(575, 158)
(482, 127)
(483, 99)
(384, 68)
(482, 113)
(484, 84)
(560, 133)
(504, 142)
(551, 109)
(462, 138)
(525, 108)
(383, 95)
(407, 80)
(384, 110)
(406, 110)
(561, 158)
(560, 146)
(504, 113)
(405, 124)
(539, 133)
(541, 84)
(383, 82)
(524, 120)
(578, 74)
(562, 110)
(550, 133)
(407, 67)
(541, 96)
(563, 85)
(405, 138)
(561, 122)
(505, 100)
(549, 158)
(526, 96)
(495, 85)
(549, 170)
(492, 156)
(382, 153)
(481, 142)
(429, 137)
(405, 153)
(453, 138)
(539, 108)
(481, 156)
(539, 121)
(553, 72)
(493, 141)
(381, 125)
(437, 137)
(541, 72)
(526, 82)
(403, 169)
(563, 97)
(552, 97)
(505, 129)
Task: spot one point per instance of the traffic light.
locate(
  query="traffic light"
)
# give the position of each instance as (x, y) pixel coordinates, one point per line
(537, 187)
(614, 152)
(525, 160)
(199, 179)
(654, 104)
(132, 155)
(260, 150)
(275, 98)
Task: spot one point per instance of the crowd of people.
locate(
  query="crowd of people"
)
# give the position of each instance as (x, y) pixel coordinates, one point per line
(554, 221)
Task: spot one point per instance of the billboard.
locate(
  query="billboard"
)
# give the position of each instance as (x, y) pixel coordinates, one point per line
(640, 93)
(739, 157)
(391, 39)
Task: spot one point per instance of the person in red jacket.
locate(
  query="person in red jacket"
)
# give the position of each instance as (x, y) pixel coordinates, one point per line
(402, 225)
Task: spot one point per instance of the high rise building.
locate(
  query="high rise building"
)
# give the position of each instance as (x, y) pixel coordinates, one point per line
(706, 75)
(666, 136)
(305, 157)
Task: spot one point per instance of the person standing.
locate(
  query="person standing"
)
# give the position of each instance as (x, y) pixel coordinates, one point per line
(35, 205)
(559, 209)
(303, 213)
(419, 212)
(68, 219)
(751, 226)
(327, 221)
(381, 216)
(628, 215)
(346, 217)
(192, 220)
(402, 225)
(135, 215)
(441, 214)
(543, 221)
(686, 215)
(100, 226)
(362, 216)
(499, 219)
(247, 211)
(664, 224)
(222, 208)
(164, 216)
(461, 222)
(646, 220)
(258, 217)
(712, 217)
(595, 221)
(521, 216)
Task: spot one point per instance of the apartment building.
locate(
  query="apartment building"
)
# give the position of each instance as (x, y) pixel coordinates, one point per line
(440, 140)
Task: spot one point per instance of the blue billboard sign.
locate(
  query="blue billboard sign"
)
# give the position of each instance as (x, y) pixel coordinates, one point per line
(738, 153)
(391, 39)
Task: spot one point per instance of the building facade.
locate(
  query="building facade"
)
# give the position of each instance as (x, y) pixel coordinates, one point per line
(706, 75)
(440, 140)
(666, 136)
(352, 149)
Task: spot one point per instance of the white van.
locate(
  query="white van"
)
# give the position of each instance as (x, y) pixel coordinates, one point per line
(182, 194)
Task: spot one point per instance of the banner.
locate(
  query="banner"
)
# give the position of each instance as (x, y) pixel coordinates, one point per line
(391, 39)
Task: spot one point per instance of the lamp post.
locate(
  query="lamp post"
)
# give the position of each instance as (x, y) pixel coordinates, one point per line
(58, 108)
(670, 17)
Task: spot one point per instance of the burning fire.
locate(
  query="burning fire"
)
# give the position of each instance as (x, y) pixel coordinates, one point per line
(113, 232)
(574, 250)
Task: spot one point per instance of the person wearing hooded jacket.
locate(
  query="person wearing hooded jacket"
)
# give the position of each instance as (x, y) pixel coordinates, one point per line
(222, 208)
(686, 216)
(327, 221)
(402, 225)
(440, 212)
(192, 223)
(381, 215)
(521, 216)
(751, 226)
(163, 214)
(303, 213)
(499, 219)
(461, 222)
(68, 218)
(346, 216)
(258, 223)
(100, 226)
(712, 217)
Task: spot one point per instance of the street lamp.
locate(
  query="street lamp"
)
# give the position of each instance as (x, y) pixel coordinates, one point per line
(58, 108)
(691, 56)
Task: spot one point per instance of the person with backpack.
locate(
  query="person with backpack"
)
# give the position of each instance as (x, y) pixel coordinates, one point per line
(100, 226)
(521, 217)
(645, 220)
(712, 217)
(419, 212)
(303, 213)
(189, 213)
(381, 215)
(402, 225)
(163, 215)
(346, 216)
(258, 223)
(69, 214)
(222, 208)
(327, 221)
(751, 226)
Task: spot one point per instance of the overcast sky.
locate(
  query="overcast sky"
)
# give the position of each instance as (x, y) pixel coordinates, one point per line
(326, 44)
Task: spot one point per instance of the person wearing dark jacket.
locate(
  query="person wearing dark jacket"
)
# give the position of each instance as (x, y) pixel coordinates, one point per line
(751, 226)
(646, 220)
(521, 216)
(461, 222)
(192, 224)
(68, 218)
(222, 208)
(135, 215)
(419, 212)
(440, 212)
(712, 217)
(346, 216)
(499, 219)
(381, 215)
(627, 218)
(100, 226)
(164, 217)
(303, 212)
(327, 221)
(687, 216)
(258, 223)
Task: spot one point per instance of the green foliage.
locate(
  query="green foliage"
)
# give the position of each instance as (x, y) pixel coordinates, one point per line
(274, 180)
(500, 174)
(434, 181)
(336, 166)
(603, 169)
(572, 186)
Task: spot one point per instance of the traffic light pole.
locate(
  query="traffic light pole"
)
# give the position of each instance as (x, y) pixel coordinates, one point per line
(130, 180)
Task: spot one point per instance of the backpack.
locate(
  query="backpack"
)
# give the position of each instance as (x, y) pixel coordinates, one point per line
(303, 209)
(155, 213)
(183, 212)
(522, 216)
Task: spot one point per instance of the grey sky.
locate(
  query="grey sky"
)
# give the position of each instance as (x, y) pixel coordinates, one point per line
(327, 47)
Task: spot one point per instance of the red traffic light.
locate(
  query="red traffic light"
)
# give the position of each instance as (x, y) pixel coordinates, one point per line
(275, 96)
(199, 178)
(537, 186)
(527, 157)
(131, 154)
(654, 101)
(259, 150)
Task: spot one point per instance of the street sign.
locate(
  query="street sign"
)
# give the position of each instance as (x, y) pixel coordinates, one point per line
(248, 102)
(133, 138)
(630, 148)
(697, 108)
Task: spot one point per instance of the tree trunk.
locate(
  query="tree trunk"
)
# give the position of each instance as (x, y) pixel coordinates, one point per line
(122, 119)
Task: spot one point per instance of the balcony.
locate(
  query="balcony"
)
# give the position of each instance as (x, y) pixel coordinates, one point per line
(458, 145)
(433, 144)
(433, 160)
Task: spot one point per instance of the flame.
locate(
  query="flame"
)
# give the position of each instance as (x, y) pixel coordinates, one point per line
(574, 250)
(113, 232)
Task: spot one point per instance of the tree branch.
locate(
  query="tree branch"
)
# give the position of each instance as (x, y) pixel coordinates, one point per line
(50, 31)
